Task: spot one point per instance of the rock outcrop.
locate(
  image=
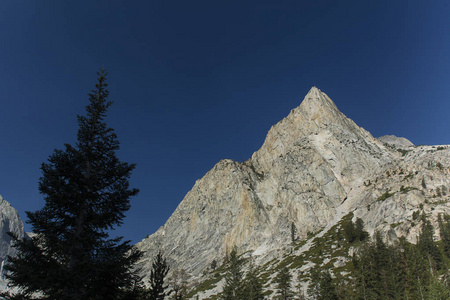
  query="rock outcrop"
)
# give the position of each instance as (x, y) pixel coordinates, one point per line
(9, 222)
(397, 142)
(315, 166)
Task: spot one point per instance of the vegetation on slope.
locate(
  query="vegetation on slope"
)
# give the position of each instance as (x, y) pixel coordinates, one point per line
(344, 263)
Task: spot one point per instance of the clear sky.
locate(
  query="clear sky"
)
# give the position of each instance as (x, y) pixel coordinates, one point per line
(197, 81)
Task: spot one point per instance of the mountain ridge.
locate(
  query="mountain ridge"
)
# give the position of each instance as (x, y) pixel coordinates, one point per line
(311, 170)
(315, 168)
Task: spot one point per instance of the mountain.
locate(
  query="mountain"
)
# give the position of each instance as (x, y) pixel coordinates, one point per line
(9, 222)
(395, 141)
(315, 168)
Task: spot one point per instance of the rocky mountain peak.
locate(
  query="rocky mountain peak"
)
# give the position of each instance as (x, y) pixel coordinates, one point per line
(317, 103)
(305, 169)
(318, 112)
(318, 124)
(315, 167)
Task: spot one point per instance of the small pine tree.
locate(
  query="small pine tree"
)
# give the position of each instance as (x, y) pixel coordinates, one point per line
(428, 247)
(313, 286)
(233, 289)
(213, 265)
(360, 233)
(437, 289)
(327, 288)
(178, 282)
(253, 289)
(321, 286)
(444, 232)
(293, 232)
(417, 275)
(283, 284)
(157, 290)
(349, 231)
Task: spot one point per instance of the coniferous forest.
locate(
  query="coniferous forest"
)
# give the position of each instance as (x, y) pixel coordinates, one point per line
(378, 270)
(72, 256)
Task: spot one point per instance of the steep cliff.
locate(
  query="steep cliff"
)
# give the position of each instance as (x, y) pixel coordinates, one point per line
(9, 222)
(315, 166)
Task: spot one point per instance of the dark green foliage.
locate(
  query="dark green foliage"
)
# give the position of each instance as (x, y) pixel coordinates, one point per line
(178, 283)
(444, 231)
(378, 271)
(354, 231)
(293, 232)
(283, 284)
(417, 274)
(157, 289)
(234, 285)
(438, 289)
(321, 286)
(403, 152)
(384, 196)
(428, 247)
(213, 264)
(349, 231)
(253, 289)
(400, 271)
(86, 193)
(360, 233)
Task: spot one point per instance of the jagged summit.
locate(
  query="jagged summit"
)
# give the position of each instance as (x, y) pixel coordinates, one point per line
(314, 91)
(316, 97)
(318, 124)
(317, 111)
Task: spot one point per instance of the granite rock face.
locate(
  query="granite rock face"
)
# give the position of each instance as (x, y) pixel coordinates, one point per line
(397, 142)
(416, 183)
(9, 222)
(314, 167)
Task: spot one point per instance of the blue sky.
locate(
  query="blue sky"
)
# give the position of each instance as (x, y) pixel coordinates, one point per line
(197, 81)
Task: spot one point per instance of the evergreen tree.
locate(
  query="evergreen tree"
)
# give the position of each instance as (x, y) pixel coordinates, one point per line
(437, 290)
(233, 289)
(379, 271)
(327, 288)
(293, 232)
(86, 192)
(213, 265)
(313, 287)
(157, 290)
(299, 292)
(283, 283)
(428, 247)
(344, 286)
(178, 282)
(349, 231)
(321, 286)
(444, 232)
(354, 231)
(360, 233)
(398, 271)
(253, 289)
(417, 272)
